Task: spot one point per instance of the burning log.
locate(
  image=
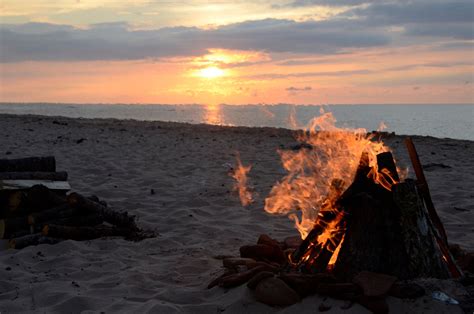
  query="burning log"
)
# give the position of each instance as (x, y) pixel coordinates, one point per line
(119, 219)
(320, 244)
(365, 246)
(382, 226)
(47, 164)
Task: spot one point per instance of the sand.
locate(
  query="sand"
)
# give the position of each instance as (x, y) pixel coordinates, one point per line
(193, 209)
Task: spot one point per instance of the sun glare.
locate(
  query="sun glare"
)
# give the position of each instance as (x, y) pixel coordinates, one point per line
(211, 72)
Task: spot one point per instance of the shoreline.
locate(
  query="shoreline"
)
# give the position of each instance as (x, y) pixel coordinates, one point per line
(205, 125)
(193, 209)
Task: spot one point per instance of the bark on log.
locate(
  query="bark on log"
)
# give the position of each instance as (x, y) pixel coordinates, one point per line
(83, 233)
(9, 227)
(14, 203)
(10, 202)
(90, 220)
(34, 175)
(119, 219)
(393, 237)
(32, 239)
(365, 245)
(40, 197)
(61, 215)
(426, 256)
(28, 164)
(55, 213)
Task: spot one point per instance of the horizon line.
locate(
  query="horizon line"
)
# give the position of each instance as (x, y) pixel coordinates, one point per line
(226, 104)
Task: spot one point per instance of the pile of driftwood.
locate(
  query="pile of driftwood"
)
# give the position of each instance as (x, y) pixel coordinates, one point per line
(265, 269)
(36, 209)
(383, 236)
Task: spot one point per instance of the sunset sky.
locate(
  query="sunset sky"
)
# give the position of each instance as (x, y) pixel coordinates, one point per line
(237, 52)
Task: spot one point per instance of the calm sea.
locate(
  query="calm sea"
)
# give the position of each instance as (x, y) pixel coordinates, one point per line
(453, 121)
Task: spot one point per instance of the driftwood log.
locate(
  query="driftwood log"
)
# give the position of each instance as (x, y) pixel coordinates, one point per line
(31, 239)
(34, 208)
(34, 175)
(83, 232)
(119, 219)
(47, 164)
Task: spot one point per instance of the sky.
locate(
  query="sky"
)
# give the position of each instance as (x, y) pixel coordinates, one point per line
(237, 52)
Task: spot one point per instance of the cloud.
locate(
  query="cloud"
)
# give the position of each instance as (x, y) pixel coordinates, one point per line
(362, 26)
(453, 30)
(419, 18)
(293, 89)
(274, 76)
(302, 62)
(332, 3)
(421, 11)
(115, 41)
(446, 64)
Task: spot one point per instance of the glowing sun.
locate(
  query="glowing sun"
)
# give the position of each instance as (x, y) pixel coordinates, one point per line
(211, 72)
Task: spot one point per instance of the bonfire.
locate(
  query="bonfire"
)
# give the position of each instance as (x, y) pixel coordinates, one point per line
(363, 225)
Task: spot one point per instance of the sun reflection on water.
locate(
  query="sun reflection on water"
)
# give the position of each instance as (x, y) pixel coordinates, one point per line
(213, 114)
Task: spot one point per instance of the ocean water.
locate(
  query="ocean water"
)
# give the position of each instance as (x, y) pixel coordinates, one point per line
(451, 121)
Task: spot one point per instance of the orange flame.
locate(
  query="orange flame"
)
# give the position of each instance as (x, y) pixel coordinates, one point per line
(311, 172)
(240, 176)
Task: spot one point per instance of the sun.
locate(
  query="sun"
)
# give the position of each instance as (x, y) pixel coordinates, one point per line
(211, 72)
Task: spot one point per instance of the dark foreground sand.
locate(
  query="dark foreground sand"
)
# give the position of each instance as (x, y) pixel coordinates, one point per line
(196, 215)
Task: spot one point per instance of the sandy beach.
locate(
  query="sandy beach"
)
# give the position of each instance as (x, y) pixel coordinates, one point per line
(193, 209)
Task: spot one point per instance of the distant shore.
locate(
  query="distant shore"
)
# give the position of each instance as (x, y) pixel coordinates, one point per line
(443, 121)
(193, 209)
